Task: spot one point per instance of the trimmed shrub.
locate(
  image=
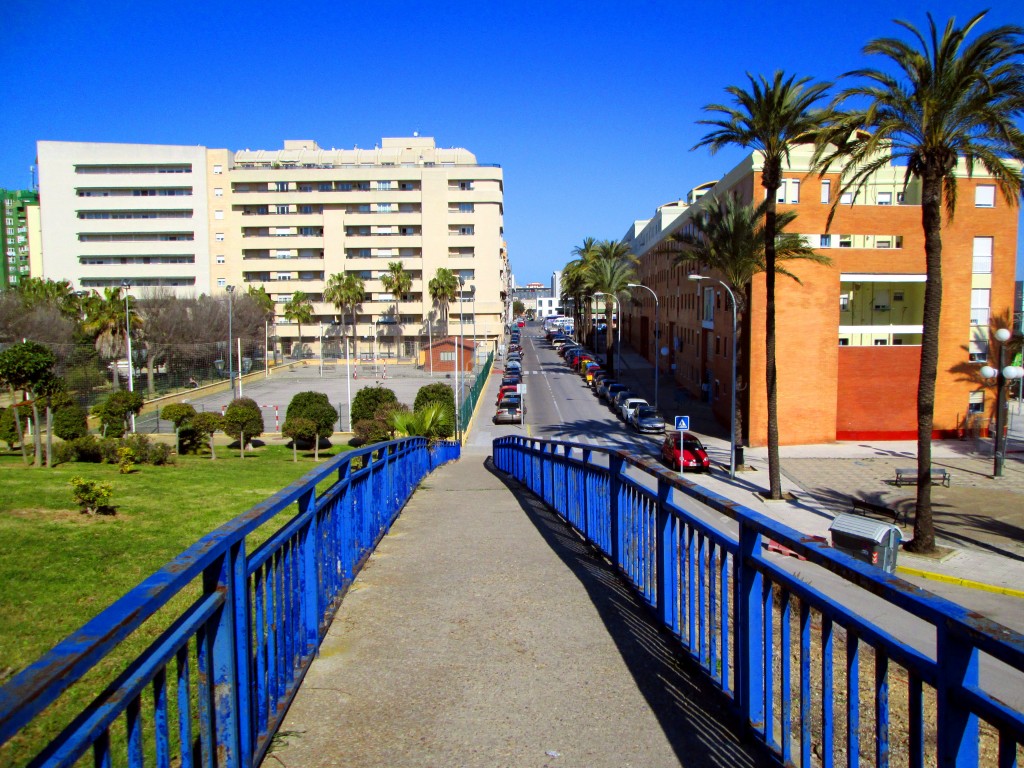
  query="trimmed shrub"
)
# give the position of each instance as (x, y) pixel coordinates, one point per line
(369, 400)
(115, 410)
(178, 413)
(435, 393)
(381, 427)
(243, 416)
(88, 449)
(160, 454)
(300, 430)
(109, 450)
(91, 496)
(204, 425)
(315, 407)
(70, 422)
(64, 453)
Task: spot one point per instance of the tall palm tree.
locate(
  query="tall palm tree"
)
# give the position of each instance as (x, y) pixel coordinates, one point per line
(444, 289)
(397, 282)
(299, 309)
(770, 118)
(955, 101)
(105, 321)
(610, 273)
(729, 238)
(575, 283)
(346, 291)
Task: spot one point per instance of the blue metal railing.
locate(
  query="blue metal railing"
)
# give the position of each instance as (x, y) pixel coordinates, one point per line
(214, 687)
(802, 667)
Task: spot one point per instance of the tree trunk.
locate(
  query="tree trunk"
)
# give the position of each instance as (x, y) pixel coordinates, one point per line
(17, 426)
(770, 181)
(931, 220)
(49, 437)
(241, 444)
(295, 450)
(316, 447)
(609, 336)
(36, 437)
(213, 450)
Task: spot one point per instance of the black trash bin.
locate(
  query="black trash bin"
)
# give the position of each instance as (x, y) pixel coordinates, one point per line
(868, 540)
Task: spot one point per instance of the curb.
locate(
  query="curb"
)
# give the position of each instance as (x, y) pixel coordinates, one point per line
(960, 582)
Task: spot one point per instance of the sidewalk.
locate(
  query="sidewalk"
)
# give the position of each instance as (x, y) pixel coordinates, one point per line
(979, 518)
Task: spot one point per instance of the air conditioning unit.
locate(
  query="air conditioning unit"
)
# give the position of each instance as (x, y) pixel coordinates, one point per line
(881, 307)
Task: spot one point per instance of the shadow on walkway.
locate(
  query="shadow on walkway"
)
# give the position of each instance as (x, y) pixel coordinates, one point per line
(694, 715)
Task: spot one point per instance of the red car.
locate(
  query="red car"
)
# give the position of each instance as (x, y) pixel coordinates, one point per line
(508, 389)
(694, 455)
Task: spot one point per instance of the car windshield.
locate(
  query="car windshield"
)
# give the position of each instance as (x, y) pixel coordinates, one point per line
(644, 412)
(693, 445)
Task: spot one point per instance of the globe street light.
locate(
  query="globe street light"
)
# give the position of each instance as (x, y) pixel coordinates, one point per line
(732, 407)
(231, 371)
(1001, 374)
(128, 341)
(657, 337)
(618, 331)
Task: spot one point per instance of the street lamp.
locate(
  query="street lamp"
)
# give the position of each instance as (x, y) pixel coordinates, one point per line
(1001, 375)
(231, 369)
(618, 329)
(458, 371)
(732, 407)
(657, 336)
(128, 341)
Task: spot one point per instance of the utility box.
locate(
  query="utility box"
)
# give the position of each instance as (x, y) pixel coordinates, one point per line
(868, 540)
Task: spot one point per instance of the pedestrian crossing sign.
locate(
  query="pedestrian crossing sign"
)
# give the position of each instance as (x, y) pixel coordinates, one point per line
(682, 423)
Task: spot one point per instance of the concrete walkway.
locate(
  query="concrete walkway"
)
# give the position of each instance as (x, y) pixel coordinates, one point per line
(483, 632)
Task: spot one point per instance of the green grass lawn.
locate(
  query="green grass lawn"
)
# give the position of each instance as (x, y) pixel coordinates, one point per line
(60, 567)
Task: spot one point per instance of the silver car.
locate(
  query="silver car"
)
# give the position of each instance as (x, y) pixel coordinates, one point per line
(646, 419)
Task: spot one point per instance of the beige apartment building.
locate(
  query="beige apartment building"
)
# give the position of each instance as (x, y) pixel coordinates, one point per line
(199, 220)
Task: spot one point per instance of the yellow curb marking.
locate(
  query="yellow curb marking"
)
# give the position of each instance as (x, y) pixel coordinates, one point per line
(960, 582)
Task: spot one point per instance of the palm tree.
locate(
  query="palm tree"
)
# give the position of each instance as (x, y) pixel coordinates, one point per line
(574, 283)
(262, 299)
(346, 290)
(397, 282)
(957, 100)
(105, 321)
(729, 238)
(299, 309)
(610, 273)
(770, 118)
(444, 289)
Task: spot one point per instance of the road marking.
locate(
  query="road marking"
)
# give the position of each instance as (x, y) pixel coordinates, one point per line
(960, 582)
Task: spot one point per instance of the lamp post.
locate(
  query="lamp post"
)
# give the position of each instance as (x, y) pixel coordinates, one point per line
(458, 371)
(1001, 374)
(732, 406)
(128, 342)
(231, 368)
(657, 336)
(618, 329)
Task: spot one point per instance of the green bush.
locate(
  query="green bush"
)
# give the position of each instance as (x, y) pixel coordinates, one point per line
(380, 428)
(88, 449)
(64, 453)
(70, 422)
(315, 407)
(91, 496)
(204, 425)
(110, 450)
(243, 416)
(138, 447)
(178, 413)
(435, 393)
(160, 454)
(369, 400)
(115, 411)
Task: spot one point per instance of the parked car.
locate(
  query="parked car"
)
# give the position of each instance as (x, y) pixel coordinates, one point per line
(630, 404)
(617, 399)
(513, 399)
(601, 390)
(508, 416)
(591, 372)
(646, 419)
(513, 365)
(608, 393)
(508, 389)
(508, 379)
(693, 455)
(597, 377)
(514, 357)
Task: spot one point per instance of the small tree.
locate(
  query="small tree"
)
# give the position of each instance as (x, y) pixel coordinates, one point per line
(71, 422)
(299, 428)
(317, 408)
(23, 367)
(92, 496)
(115, 411)
(178, 414)
(368, 400)
(243, 421)
(205, 424)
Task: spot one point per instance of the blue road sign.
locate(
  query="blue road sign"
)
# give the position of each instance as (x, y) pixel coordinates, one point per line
(682, 423)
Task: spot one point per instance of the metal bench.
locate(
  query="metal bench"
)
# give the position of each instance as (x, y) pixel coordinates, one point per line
(939, 476)
(862, 507)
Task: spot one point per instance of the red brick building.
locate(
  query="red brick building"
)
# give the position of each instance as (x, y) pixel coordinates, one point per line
(443, 355)
(849, 334)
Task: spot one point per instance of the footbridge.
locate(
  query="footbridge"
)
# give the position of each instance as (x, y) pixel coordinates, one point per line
(542, 603)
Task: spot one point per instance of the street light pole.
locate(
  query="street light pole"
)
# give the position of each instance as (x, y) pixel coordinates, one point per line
(231, 368)
(128, 342)
(732, 407)
(657, 337)
(1001, 374)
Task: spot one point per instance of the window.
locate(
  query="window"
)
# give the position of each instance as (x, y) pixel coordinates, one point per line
(218, 169)
(883, 242)
(218, 214)
(980, 303)
(881, 342)
(976, 402)
(826, 191)
(284, 275)
(825, 241)
(221, 282)
(219, 237)
(846, 241)
(306, 209)
(281, 209)
(384, 208)
(447, 357)
(985, 196)
(305, 187)
(281, 186)
(884, 198)
(325, 186)
(977, 350)
(383, 186)
(218, 192)
(982, 255)
(789, 191)
(466, 207)
(844, 302)
(220, 259)
(846, 198)
(465, 185)
(467, 230)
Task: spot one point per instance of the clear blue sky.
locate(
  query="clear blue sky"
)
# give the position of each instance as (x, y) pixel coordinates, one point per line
(590, 107)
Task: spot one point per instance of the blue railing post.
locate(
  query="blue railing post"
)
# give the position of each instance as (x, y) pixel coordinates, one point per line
(308, 585)
(750, 629)
(223, 665)
(957, 726)
(667, 557)
(615, 463)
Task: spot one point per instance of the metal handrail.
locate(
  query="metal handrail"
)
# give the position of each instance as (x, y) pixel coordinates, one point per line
(744, 617)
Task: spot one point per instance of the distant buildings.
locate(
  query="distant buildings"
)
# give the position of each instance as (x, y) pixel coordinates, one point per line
(20, 221)
(195, 220)
(849, 336)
